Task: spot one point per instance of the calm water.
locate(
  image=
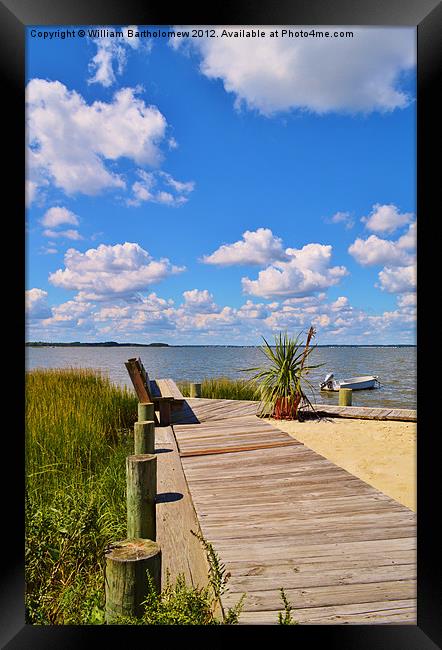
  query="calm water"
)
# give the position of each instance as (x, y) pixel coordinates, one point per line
(395, 367)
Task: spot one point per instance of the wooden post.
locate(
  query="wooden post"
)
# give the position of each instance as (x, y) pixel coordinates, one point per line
(144, 437)
(141, 475)
(165, 412)
(137, 380)
(345, 396)
(126, 585)
(146, 411)
(195, 390)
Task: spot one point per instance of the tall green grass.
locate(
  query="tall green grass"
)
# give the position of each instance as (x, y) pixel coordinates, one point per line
(78, 434)
(222, 388)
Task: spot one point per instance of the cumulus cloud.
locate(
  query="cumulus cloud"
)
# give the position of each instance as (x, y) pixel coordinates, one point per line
(374, 250)
(69, 311)
(386, 218)
(111, 57)
(151, 315)
(407, 300)
(58, 216)
(106, 271)
(36, 304)
(255, 247)
(359, 74)
(72, 143)
(398, 280)
(408, 241)
(199, 300)
(398, 258)
(307, 271)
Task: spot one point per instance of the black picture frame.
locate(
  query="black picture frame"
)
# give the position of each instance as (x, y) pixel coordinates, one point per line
(426, 15)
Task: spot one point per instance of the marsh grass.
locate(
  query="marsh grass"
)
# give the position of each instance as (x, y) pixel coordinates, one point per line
(78, 434)
(222, 388)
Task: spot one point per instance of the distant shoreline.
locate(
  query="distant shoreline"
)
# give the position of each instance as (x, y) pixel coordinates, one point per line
(113, 344)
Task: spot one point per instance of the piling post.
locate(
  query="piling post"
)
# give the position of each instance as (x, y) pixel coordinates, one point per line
(126, 584)
(141, 476)
(345, 396)
(165, 412)
(195, 390)
(146, 411)
(144, 437)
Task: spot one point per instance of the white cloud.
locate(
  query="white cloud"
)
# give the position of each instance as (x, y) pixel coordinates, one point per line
(342, 217)
(51, 249)
(199, 300)
(66, 234)
(255, 311)
(307, 271)
(106, 271)
(178, 186)
(256, 247)
(398, 280)
(374, 250)
(386, 218)
(152, 316)
(340, 304)
(408, 241)
(147, 190)
(111, 57)
(36, 303)
(407, 300)
(268, 74)
(71, 141)
(69, 311)
(398, 258)
(58, 216)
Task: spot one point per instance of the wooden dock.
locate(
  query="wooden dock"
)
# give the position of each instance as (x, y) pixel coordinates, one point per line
(280, 515)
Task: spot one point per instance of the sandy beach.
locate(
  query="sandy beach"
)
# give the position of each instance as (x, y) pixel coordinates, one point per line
(381, 453)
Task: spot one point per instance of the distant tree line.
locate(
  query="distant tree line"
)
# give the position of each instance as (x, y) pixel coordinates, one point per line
(104, 344)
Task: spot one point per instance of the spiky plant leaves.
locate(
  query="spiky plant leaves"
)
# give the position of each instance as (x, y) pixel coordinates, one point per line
(280, 384)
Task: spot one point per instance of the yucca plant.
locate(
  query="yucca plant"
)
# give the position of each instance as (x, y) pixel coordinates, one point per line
(281, 385)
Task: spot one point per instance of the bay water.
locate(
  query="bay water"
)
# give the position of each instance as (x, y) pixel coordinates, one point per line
(395, 366)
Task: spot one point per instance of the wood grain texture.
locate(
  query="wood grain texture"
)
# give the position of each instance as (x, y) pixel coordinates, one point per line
(280, 515)
(176, 517)
(196, 410)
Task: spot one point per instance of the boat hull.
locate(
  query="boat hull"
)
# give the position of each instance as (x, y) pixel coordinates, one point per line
(355, 383)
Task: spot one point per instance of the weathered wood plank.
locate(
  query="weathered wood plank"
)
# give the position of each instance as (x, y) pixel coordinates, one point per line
(328, 595)
(307, 564)
(235, 448)
(326, 577)
(394, 612)
(137, 381)
(257, 553)
(265, 510)
(176, 517)
(168, 388)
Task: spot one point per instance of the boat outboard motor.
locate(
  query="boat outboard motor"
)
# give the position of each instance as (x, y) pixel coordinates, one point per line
(327, 380)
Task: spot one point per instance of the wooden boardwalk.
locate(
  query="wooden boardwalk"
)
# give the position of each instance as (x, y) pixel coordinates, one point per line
(280, 515)
(221, 409)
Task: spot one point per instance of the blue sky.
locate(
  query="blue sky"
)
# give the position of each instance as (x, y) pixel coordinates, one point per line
(217, 189)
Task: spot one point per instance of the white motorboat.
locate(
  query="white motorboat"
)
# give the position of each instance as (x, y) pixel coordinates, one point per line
(355, 383)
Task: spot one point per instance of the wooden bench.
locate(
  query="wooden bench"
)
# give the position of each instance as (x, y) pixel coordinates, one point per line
(163, 393)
